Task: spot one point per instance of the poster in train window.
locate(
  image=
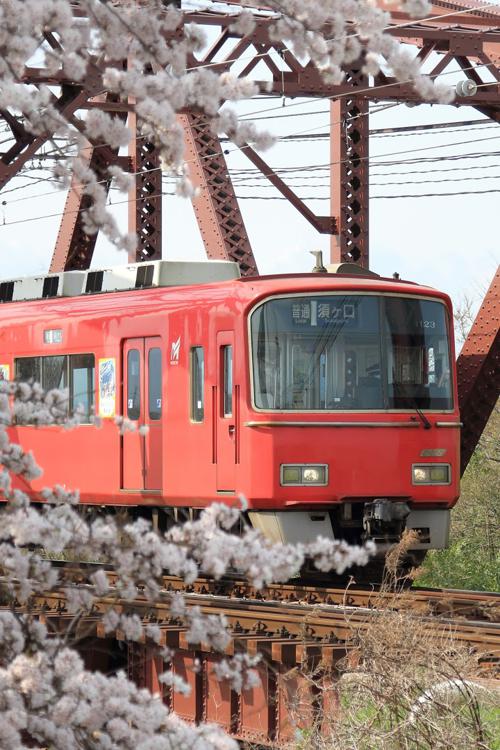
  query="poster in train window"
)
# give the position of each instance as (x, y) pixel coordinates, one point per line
(107, 387)
(4, 372)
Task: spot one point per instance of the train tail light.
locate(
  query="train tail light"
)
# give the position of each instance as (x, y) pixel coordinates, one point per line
(431, 474)
(304, 475)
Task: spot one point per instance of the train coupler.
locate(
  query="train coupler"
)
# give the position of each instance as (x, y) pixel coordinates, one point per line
(384, 520)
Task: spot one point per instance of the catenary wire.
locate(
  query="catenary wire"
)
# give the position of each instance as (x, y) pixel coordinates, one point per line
(326, 183)
(315, 168)
(369, 89)
(455, 13)
(242, 180)
(362, 158)
(247, 197)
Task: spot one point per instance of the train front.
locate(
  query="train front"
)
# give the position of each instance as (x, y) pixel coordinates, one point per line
(353, 430)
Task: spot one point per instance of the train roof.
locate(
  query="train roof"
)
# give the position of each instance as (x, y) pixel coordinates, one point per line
(176, 279)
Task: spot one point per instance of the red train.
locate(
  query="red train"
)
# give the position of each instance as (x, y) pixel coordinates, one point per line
(328, 400)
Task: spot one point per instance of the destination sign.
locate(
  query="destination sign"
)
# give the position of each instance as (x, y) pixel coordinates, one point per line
(316, 313)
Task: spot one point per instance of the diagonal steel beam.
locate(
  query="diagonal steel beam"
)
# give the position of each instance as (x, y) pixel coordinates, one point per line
(322, 224)
(216, 207)
(74, 248)
(478, 371)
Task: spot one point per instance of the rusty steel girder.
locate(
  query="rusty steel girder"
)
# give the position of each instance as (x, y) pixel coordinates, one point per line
(286, 700)
(304, 648)
(74, 248)
(145, 199)
(216, 208)
(478, 371)
(349, 174)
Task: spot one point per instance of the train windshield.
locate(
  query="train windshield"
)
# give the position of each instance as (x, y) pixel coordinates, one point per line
(351, 352)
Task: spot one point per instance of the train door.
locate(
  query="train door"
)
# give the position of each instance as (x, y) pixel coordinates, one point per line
(142, 403)
(226, 414)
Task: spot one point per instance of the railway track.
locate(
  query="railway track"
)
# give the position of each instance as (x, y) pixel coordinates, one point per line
(475, 605)
(305, 615)
(448, 603)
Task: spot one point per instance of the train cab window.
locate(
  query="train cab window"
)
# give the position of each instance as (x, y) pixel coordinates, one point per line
(356, 352)
(197, 384)
(133, 385)
(74, 372)
(154, 383)
(81, 384)
(418, 354)
(227, 354)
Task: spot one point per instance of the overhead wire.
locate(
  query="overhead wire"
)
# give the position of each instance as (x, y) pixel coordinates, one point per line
(240, 177)
(440, 170)
(394, 153)
(256, 197)
(326, 182)
(334, 163)
(240, 181)
(377, 156)
(372, 197)
(436, 195)
(317, 137)
(248, 197)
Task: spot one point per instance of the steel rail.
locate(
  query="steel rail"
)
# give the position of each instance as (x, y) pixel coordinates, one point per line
(470, 605)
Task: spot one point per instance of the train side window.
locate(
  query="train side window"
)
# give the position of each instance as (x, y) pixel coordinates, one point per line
(197, 384)
(133, 385)
(74, 372)
(227, 353)
(55, 375)
(81, 384)
(54, 372)
(154, 383)
(27, 370)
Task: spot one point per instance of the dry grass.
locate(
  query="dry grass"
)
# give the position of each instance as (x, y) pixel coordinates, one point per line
(401, 687)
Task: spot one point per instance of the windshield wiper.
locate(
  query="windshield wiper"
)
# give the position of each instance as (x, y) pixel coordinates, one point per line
(425, 421)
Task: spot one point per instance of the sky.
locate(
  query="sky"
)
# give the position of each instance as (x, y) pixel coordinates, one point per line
(448, 242)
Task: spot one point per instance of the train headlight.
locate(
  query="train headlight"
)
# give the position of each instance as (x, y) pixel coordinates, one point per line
(431, 474)
(303, 475)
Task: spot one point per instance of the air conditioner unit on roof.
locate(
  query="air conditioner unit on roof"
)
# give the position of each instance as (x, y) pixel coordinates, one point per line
(157, 273)
(160, 273)
(67, 284)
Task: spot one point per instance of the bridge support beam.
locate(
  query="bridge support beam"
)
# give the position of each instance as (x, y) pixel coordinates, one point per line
(349, 175)
(478, 371)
